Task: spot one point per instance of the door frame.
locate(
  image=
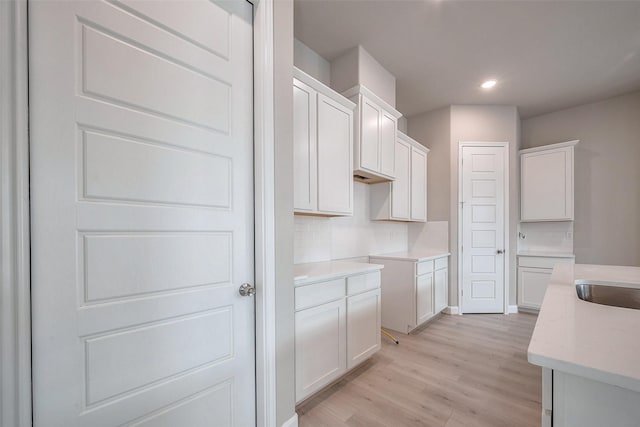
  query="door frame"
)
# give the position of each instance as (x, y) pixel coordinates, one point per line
(507, 250)
(15, 285)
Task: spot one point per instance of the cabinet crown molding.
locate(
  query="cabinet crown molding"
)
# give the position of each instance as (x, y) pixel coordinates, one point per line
(317, 85)
(403, 136)
(550, 147)
(360, 89)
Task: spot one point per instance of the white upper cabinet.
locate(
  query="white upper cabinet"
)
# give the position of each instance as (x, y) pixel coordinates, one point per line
(547, 182)
(404, 199)
(376, 124)
(323, 149)
(418, 184)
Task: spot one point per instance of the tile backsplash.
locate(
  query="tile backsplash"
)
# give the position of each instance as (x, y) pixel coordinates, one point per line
(324, 239)
(546, 236)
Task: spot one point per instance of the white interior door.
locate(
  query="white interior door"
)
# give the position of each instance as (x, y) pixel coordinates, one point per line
(142, 213)
(483, 229)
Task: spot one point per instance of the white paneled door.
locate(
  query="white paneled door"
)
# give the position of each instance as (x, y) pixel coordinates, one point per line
(483, 222)
(142, 213)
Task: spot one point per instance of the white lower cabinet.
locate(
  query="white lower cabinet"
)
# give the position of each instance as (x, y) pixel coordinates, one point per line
(337, 326)
(441, 289)
(574, 401)
(534, 274)
(320, 346)
(413, 291)
(424, 298)
(363, 327)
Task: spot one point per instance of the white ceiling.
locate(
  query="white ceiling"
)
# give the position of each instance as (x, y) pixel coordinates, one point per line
(546, 55)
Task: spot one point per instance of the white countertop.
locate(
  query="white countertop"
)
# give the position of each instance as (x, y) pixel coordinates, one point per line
(586, 339)
(416, 256)
(546, 254)
(327, 270)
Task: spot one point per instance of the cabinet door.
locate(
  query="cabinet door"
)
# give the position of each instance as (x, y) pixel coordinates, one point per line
(320, 345)
(418, 185)
(369, 135)
(441, 292)
(401, 187)
(363, 326)
(304, 148)
(532, 284)
(547, 185)
(335, 161)
(424, 298)
(388, 131)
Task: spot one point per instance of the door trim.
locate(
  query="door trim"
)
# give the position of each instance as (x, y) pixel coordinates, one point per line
(507, 250)
(15, 297)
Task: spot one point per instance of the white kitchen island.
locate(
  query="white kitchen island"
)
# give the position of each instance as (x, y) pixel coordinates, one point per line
(590, 353)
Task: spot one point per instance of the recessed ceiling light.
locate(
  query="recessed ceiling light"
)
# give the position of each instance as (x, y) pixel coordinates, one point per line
(489, 84)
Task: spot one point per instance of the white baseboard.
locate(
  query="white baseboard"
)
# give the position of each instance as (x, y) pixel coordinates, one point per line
(291, 422)
(451, 310)
(512, 309)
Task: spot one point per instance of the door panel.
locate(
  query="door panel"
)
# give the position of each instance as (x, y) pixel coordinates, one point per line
(418, 185)
(483, 229)
(401, 187)
(142, 213)
(363, 326)
(335, 157)
(305, 155)
(424, 298)
(388, 128)
(369, 135)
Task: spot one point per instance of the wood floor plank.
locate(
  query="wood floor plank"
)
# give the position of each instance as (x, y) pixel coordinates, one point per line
(469, 370)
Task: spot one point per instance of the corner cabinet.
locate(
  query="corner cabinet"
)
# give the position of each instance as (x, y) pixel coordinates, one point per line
(376, 124)
(323, 149)
(547, 184)
(414, 290)
(404, 199)
(337, 327)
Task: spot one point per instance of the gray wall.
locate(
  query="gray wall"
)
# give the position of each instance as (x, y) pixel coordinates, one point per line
(284, 227)
(311, 63)
(433, 130)
(607, 175)
(442, 130)
(485, 123)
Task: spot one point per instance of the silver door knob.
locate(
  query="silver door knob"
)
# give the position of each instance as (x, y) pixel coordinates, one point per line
(246, 290)
(499, 251)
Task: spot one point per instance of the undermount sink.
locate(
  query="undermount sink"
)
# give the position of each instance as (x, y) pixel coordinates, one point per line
(616, 296)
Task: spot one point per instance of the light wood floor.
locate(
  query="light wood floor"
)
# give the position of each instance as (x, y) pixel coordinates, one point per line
(469, 370)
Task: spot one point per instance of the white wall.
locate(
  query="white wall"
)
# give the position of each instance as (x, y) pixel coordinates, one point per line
(311, 63)
(324, 239)
(357, 66)
(607, 175)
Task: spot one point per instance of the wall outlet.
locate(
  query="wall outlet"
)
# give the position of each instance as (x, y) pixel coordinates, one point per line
(570, 235)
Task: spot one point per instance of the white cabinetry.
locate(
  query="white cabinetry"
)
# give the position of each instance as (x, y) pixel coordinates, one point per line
(414, 290)
(441, 284)
(547, 185)
(570, 400)
(337, 326)
(404, 199)
(323, 149)
(376, 123)
(533, 277)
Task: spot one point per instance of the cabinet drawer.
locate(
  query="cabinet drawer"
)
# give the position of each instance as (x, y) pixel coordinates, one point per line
(424, 267)
(441, 263)
(542, 262)
(363, 282)
(319, 293)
